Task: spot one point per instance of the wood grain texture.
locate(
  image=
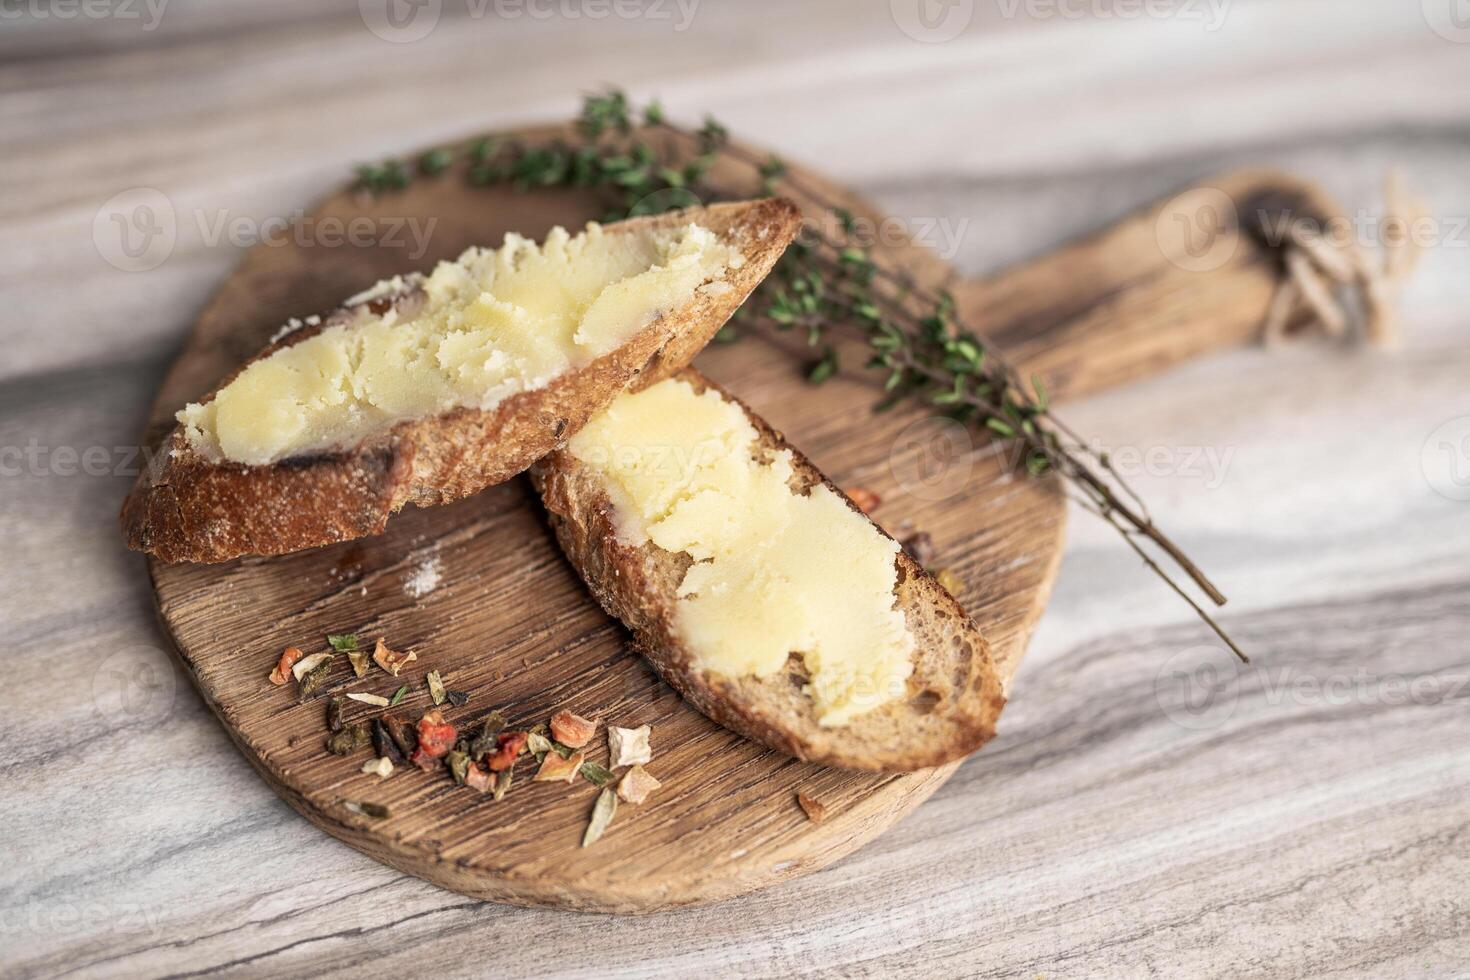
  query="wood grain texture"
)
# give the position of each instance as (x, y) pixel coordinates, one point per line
(1302, 836)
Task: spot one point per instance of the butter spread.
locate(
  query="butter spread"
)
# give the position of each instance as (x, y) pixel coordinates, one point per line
(494, 323)
(775, 571)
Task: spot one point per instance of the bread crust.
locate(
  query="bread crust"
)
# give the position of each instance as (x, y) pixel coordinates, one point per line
(954, 696)
(187, 508)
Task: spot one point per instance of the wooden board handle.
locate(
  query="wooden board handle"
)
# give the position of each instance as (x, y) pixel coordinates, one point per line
(1178, 279)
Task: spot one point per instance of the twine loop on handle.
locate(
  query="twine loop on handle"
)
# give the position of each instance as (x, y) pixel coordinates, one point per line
(1332, 282)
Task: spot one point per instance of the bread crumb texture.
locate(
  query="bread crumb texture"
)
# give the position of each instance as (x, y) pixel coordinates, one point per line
(775, 572)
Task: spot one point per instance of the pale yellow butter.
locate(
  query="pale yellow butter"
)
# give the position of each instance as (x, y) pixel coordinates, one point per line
(776, 572)
(494, 323)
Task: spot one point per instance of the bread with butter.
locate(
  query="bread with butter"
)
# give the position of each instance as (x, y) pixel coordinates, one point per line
(750, 639)
(346, 419)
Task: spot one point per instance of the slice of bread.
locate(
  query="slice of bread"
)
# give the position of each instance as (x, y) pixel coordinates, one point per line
(187, 507)
(953, 697)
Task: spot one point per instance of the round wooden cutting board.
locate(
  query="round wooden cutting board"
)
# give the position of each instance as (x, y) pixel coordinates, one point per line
(482, 593)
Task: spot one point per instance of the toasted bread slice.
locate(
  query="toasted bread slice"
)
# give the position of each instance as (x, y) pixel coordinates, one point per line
(194, 505)
(952, 698)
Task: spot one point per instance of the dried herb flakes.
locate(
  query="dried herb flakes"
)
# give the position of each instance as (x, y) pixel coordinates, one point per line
(436, 686)
(376, 811)
(305, 665)
(383, 743)
(572, 729)
(478, 779)
(283, 666)
(435, 738)
(509, 745)
(359, 661)
(636, 784)
(403, 734)
(459, 765)
(391, 660)
(334, 715)
(555, 769)
(313, 679)
(603, 812)
(595, 774)
(486, 742)
(628, 746)
(350, 739)
(381, 767)
(538, 745)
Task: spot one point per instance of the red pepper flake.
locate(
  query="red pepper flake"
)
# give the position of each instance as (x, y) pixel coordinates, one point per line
(555, 769)
(284, 665)
(508, 746)
(436, 738)
(867, 501)
(571, 730)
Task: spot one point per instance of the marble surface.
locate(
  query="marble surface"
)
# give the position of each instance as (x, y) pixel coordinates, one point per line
(1311, 818)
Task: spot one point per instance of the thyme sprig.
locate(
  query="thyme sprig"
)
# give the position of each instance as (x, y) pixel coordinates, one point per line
(826, 286)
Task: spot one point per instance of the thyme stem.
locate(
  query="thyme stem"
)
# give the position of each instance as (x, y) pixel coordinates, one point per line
(1074, 469)
(824, 283)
